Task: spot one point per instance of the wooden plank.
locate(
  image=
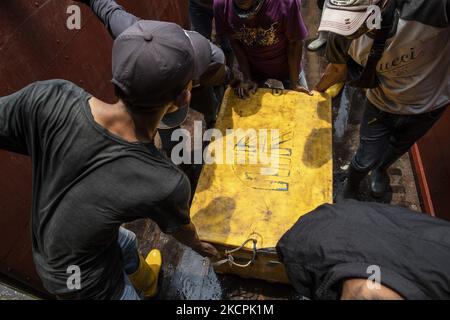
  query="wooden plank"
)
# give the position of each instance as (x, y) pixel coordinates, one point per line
(427, 202)
(431, 157)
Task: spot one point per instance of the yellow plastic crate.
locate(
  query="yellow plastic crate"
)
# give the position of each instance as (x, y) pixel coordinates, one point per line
(238, 203)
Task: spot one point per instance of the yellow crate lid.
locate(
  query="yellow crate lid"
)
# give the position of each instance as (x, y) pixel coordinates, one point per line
(238, 201)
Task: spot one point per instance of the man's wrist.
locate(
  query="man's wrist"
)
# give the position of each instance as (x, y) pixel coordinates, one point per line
(198, 246)
(320, 88)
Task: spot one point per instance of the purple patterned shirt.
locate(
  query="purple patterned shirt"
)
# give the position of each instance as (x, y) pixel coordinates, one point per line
(265, 37)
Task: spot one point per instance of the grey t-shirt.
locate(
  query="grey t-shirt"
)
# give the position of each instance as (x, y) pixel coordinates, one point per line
(414, 70)
(86, 183)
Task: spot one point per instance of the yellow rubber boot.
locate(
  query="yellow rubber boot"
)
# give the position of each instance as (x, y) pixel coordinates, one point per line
(334, 90)
(154, 260)
(145, 279)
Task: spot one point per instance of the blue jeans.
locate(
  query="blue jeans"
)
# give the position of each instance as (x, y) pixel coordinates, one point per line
(129, 292)
(381, 131)
(128, 244)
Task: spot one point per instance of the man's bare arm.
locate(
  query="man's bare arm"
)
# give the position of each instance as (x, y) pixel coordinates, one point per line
(294, 56)
(188, 236)
(242, 59)
(334, 73)
(295, 52)
(247, 86)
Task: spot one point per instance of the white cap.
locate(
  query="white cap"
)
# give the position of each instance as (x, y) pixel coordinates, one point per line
(345, 17)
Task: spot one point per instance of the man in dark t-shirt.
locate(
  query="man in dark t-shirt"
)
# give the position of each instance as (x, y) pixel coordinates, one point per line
(212, 70)
(95, 166)
(359, 250)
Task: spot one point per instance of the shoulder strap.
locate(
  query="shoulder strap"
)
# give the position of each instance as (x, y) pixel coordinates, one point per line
(369, 77)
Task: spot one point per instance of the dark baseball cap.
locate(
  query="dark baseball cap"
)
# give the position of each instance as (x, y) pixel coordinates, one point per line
(153, 62)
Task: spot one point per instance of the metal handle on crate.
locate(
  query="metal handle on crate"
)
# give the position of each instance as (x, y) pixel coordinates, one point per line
(230, 259)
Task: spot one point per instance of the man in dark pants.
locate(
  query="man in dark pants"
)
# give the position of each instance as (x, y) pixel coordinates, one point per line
(201, 14)
(213, 70)
(95, 167)
(368, 251)
(413, 72)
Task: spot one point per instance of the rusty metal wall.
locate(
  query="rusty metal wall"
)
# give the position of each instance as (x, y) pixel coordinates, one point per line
(36, 45)
(431, 158)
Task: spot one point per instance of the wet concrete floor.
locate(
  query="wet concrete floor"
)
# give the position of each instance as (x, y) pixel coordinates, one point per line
(7, 293)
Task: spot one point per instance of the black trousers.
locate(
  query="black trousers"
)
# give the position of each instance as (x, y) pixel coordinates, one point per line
(381, 130)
